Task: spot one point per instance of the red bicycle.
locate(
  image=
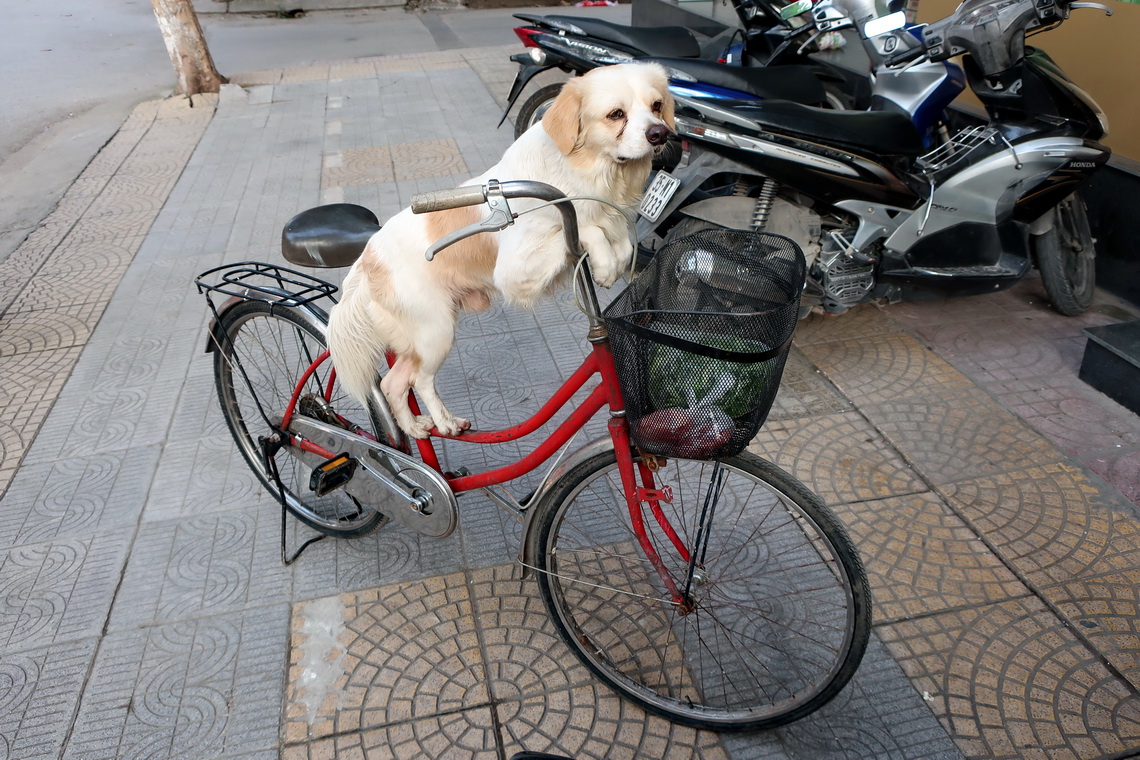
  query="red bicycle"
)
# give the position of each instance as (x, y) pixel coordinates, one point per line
(717, 591)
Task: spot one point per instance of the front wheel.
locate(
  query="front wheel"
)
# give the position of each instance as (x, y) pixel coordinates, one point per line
(271, 347)
(778, 611)
(1067, 258)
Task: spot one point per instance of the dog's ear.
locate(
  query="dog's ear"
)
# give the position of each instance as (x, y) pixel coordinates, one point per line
(667, 108)
(563, 120)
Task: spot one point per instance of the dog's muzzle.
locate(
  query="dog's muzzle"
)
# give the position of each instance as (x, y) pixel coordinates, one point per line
(658, 134)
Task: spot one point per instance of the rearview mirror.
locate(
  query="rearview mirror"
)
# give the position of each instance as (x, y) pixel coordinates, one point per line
(884, 24)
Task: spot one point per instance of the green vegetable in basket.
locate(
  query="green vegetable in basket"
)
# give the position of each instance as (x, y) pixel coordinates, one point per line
(683, 379)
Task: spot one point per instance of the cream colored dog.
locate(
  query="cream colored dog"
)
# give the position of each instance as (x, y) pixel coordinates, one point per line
(598, 138)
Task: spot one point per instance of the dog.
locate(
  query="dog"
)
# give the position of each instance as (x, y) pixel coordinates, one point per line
(598, 138)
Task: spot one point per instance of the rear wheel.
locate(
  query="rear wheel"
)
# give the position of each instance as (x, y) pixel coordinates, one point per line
(535, 108)
(1067, 258)
(272, 347)
(778, 613)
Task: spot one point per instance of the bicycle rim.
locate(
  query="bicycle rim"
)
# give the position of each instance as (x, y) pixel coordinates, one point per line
(780, 613)
(273, 348)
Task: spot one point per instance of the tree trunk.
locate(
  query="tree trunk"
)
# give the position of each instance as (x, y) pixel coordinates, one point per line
(187, 47)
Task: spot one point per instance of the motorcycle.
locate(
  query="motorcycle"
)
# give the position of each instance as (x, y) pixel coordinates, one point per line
(717, 70)
(879, 212)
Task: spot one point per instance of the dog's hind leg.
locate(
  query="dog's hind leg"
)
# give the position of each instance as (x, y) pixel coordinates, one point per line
(396, 385)
(433, 353)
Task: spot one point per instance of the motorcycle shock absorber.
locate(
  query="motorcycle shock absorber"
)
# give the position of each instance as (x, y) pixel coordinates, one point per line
(764, 204)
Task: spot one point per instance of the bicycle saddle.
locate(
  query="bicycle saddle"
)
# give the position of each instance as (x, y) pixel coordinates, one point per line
(674, 41)
(328, 236)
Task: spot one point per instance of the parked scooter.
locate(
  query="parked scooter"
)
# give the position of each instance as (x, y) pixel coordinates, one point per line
(716, 69)
(878, 213)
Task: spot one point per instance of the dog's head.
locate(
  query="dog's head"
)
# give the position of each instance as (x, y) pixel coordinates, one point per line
(621, 113)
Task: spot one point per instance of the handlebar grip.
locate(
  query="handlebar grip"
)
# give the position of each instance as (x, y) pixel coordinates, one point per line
(440, 200)
(907, 56)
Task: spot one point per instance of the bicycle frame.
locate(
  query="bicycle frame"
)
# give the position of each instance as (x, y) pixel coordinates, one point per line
(607, 393)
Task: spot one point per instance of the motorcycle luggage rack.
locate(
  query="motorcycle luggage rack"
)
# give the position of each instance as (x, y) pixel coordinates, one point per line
(956, 148)
(258, 281)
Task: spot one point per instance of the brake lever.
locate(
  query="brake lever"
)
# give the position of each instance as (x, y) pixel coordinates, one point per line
(1107, 11)
(501, 217)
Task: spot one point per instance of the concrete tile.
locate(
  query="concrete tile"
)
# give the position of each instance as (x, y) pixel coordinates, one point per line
(1106, 611)
(839, 456)
(1121, 470)
(804, 391)
(921, 558)
(1011, 680)
(24, 332)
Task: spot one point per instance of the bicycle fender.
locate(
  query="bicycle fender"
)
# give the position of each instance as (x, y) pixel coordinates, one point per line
(528, 547)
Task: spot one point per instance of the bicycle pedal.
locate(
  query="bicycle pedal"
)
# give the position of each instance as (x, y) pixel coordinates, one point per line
(331, 474)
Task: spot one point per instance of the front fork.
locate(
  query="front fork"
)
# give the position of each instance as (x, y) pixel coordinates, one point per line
(648, 493)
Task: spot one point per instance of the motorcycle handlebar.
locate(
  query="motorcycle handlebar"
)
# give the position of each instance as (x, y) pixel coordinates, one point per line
(907, 56)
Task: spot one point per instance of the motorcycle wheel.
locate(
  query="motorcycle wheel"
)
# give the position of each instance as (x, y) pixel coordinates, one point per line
(1066, 257)
(535, 108)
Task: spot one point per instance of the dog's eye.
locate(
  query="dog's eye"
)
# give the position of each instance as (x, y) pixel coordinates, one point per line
(657, 107)
(616, 114)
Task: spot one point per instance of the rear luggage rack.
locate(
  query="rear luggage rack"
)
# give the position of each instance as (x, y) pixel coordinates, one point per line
(258, 281)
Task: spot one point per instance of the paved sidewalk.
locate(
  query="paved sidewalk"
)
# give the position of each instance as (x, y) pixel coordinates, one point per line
(145, 612)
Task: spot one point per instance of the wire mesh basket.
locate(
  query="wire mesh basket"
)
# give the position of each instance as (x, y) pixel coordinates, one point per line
(700, 338)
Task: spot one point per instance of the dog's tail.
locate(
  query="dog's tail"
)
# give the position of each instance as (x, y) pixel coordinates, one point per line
(355, 346)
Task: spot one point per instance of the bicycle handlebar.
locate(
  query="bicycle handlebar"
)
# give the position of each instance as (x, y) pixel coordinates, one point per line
(495, 194)
(441, 200)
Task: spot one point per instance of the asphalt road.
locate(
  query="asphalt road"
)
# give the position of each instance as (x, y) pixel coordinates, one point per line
(75, 68)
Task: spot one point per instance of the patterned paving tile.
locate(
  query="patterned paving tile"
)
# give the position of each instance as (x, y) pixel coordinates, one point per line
(858, 322)
(359, 166)
(1009, 680)
(589, 721)
(1051, 522)
(958, 435)
(804, 390)
(39, 691)
(389, 163)
(1069, 413)
(1121, 470)
(203, 688)
(885, 367)
(23, 332)
(58, 591)
(921, 558)
(76, 497)
(200, 566)
(839, 456)
(464, 735)
(1106, 610)
(393, 653)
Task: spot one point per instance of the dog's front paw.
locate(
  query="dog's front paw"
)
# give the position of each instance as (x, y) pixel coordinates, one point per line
(452, 425)
(421, 427)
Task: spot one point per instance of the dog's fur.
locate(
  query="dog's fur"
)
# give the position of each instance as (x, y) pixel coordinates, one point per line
(592, 141)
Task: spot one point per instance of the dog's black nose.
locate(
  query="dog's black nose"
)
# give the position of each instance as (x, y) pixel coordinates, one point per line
(657, 134)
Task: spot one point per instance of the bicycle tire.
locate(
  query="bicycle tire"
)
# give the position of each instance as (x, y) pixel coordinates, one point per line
(274, 346)
(1066, 257)
(610, 607)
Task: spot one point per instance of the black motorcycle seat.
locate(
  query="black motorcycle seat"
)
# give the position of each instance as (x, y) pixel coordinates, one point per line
(671, 41)
(328, 236)
(885, 132)
(795, 83)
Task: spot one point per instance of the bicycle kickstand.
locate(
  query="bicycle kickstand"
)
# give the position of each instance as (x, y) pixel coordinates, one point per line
(269, 448)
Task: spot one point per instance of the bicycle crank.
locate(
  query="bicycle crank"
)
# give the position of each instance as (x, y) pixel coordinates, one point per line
(385, 479)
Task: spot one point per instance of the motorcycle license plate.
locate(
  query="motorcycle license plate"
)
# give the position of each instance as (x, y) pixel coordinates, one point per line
(658, 195)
